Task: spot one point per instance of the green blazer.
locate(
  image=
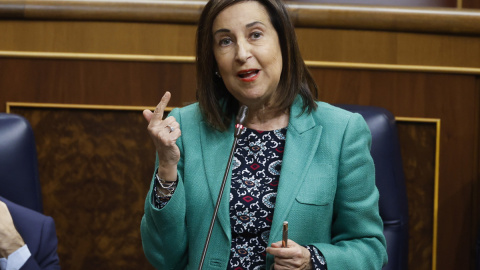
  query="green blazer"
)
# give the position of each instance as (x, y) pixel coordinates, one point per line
(326, 192)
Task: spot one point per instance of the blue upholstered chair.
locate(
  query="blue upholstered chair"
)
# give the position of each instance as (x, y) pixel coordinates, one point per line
(19, 181)
(390, 181)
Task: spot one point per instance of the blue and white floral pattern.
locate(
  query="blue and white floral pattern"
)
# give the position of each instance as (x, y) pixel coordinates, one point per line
(253, 195)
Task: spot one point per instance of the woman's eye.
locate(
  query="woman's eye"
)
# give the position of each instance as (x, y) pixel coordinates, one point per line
(225, 42)
(256, 35)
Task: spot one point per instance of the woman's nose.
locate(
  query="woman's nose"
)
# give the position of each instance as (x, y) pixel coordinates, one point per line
(243, 52)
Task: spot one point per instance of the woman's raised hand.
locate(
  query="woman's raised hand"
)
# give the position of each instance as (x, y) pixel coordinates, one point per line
(164, 134)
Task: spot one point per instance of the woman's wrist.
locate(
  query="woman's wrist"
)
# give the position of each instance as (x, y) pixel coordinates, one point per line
(167, 173)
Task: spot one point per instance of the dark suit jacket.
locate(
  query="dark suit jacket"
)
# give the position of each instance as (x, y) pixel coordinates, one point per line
(38, 232)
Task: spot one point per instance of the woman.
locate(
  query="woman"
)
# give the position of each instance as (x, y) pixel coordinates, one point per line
(297, 160)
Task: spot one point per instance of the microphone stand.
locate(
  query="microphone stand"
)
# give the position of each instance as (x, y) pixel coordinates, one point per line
(242, 114)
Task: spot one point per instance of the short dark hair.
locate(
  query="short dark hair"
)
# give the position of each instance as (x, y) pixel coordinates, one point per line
(216, 103)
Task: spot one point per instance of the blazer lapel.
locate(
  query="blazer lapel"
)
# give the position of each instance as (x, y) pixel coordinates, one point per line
(303, 136)
(215, 147)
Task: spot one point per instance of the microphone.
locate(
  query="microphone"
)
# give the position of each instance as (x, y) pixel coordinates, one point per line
(241, 116)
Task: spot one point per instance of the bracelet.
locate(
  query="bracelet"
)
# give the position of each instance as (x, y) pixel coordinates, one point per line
(161, 194)
(163, 184)
(160, 199)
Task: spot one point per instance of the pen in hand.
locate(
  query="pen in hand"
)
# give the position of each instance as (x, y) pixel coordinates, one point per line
(285, 234)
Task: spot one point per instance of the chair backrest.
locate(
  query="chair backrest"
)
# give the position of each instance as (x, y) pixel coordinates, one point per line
(390, 181)
(19, 181)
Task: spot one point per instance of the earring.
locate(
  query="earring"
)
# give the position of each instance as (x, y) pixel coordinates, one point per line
(218, 74)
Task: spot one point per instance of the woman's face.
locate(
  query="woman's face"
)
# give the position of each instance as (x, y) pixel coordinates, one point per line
(248, 53)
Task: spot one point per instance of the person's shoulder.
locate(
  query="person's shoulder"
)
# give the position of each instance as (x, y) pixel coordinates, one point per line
(190, 111)
(338, 119)
(193, 107)
(22, 214)
(328, 113)
(31, 224)
(39, 233)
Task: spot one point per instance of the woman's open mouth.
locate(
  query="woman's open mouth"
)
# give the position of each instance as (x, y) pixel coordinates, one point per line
(248, 75)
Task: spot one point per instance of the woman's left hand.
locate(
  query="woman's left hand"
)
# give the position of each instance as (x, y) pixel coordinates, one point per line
(293, 256)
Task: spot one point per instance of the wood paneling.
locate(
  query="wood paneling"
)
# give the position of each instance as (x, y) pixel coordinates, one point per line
(403, 3)
(472, 4)
(97, 37)
(389, 48)
(343, 46)
(431, 20)
(418, 147)
(94, 82)
(475, 207)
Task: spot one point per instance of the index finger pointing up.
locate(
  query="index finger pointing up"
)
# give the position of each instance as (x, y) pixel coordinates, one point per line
(158, 113)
